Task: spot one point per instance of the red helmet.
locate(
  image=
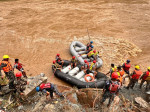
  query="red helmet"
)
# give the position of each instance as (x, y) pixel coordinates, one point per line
(85, 61)
(54, 62)
(42, 86)
(19, 74)
(58, 54)
(114, 75)
(73, 57)
(94, 51)
(94, 61)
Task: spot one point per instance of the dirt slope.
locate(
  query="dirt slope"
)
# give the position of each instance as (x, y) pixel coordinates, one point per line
(34, 31)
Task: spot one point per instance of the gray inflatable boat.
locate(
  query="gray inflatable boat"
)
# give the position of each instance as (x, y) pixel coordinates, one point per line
(78, 50)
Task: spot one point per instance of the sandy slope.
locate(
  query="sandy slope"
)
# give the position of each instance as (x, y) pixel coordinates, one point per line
(35, 30)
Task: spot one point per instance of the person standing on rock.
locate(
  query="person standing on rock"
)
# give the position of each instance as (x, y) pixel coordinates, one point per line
(20, 86)
(126, 66)
(18, 66)
(134, 77)
(48, 89)
(146, 78)
(111, 89)
(59, 60)
(6, 66)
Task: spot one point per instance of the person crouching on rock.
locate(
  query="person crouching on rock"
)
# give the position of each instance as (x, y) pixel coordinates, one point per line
(18, 66)
(110, 89)
(49, 89)
(59, 60)
(73, 62)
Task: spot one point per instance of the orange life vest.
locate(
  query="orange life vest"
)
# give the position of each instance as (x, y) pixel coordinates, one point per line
(8, 66)
(121, 72)
(137, 74)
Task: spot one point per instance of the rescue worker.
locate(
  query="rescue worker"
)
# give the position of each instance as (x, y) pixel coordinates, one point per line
(121, 74)
(90, 68)
(126, 66)
(55, 66)
(73, 62)
(20, 86)
(145, 78)
(112, 69)
(111, 89)
(90, 55)
(8, 70)
(49, 89)
(59, 60)
(95, 54)
(18, 66)
(135, 76)
(89, 45)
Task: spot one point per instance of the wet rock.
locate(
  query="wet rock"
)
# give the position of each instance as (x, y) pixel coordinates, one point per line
(33, 82)
(141, 102)
(87, 96)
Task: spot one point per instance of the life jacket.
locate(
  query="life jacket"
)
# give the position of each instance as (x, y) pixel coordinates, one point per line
(147, 76)
(45, 86)
(19, 65)
(8, 66)
(91, 67)
(121, 72)
(56, 65)
(90, 53)
(126, 67)
(73, 61)
(58, 59)
(95, 54)
(88, 65)
(114, 69)
(113, 87)
(137, 74)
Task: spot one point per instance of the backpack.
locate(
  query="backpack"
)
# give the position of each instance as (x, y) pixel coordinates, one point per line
(113, 87)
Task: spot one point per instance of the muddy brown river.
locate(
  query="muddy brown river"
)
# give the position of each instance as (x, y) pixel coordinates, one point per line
(36, 30)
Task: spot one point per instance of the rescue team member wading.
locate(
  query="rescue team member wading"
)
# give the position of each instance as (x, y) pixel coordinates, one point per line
(6, 66)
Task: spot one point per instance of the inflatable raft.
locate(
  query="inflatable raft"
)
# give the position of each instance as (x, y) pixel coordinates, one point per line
(77, 77)
(78, 50)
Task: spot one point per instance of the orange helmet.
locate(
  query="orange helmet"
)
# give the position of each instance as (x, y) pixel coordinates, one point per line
(73, 57)
(94, 61)
(18, 74)
(54, 62)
